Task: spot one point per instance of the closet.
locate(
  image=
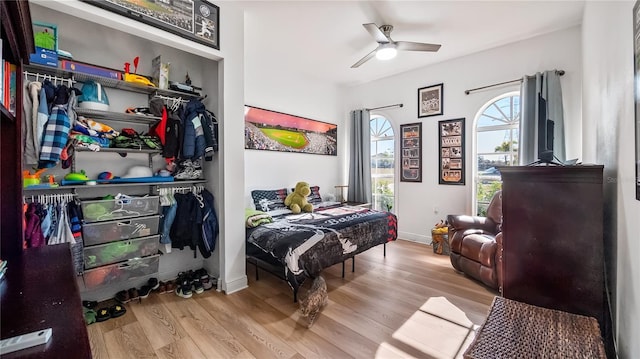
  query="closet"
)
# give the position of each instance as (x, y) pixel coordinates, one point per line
(79, 37)
(94, 35)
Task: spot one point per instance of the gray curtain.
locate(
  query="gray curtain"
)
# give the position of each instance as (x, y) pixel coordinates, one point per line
(548, 85)
(360, 164)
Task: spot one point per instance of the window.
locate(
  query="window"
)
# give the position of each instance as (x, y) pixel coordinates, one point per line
(496, 132)
(382, 163)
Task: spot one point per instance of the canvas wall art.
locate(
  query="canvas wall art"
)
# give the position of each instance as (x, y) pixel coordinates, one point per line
(277, 131)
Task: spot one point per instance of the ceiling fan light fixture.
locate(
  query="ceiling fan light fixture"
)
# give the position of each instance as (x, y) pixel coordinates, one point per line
(386, 52)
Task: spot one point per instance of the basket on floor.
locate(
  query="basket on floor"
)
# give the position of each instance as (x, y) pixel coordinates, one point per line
(440, 243)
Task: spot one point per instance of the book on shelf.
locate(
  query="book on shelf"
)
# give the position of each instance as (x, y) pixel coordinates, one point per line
(13, 98)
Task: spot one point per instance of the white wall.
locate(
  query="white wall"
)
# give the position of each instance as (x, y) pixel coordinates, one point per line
(270, 86)
(416, 201)
(608, 118)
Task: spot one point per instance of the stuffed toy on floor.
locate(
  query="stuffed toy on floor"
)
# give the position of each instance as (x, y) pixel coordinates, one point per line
(297, 200)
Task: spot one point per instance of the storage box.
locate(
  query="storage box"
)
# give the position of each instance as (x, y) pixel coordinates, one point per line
(114, 209)
(90, 69)
(111, 231)
(121, 272)
(44, 57)
(114, 252)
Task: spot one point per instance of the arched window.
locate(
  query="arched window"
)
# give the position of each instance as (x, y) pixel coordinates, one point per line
(496, 132)
(382, 163)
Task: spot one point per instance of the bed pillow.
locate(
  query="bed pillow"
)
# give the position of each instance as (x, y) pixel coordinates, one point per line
(269, 200)
(313, 197)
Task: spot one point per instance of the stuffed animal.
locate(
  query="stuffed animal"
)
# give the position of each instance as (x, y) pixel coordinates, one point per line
(297, 200)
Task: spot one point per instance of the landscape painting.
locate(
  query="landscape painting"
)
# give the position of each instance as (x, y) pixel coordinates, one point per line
(276, 131)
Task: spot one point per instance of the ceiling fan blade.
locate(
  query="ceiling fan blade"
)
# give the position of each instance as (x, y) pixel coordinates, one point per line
(416, 46)
(376, 33)
(364, 59)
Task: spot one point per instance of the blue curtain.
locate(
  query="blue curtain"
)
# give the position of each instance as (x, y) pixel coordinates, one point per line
(360, 159)
(548, 85)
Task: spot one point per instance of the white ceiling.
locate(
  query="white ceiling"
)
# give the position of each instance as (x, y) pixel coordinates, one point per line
(322, 39)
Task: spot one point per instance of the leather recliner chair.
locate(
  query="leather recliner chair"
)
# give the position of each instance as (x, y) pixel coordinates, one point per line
(476, 244)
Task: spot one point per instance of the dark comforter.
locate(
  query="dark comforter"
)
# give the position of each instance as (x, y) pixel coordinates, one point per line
(305, 244)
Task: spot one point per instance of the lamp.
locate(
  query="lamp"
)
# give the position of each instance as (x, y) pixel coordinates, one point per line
(386, 51)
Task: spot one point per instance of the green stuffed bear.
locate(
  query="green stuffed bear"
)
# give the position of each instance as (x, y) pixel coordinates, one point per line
(297, 200)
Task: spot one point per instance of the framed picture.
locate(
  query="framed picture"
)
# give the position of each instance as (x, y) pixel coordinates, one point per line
(196, 20)
(636, 72)
(430, 101)
(277, 131)
(451, 160)
(411, 154)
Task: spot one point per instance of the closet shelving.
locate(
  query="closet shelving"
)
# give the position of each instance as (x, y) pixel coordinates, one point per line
(110, 185)
(169, 96)
(108, 82)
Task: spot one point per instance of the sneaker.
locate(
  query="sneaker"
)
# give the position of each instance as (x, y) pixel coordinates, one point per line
(144, 291)
(197, 286)
(153, 283)
(184, 290)
(90, 304)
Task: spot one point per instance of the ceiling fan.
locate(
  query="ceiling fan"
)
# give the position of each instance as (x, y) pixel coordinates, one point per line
(387, 48)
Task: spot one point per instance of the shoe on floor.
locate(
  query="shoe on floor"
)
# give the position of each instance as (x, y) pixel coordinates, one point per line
(184, 290)
(117, 311)
(133, 294)
(144, 291)
(89, 304)
(103, 314)
(123, 297)
(153, 283)
(197, 286)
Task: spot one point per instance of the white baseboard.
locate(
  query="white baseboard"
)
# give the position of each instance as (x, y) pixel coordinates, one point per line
(414, 237)
(236, 285)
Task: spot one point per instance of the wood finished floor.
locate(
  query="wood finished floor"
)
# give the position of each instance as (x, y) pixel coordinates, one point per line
(391, 307)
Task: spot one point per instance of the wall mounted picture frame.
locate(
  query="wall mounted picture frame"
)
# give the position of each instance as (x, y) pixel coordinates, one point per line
(411, 152)
(276, 131)
(196, 20)
(430, 101)
(636, 72)
(451, 154)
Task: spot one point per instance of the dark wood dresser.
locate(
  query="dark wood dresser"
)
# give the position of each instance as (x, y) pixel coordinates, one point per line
(553, 238)
(39, 291)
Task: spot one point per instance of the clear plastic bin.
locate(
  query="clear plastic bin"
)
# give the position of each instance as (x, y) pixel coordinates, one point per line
(113, 209)
(113, 252)
(121, 272)
(111, 231)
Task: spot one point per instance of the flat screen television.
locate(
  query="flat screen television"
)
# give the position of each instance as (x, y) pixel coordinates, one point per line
(545, 133)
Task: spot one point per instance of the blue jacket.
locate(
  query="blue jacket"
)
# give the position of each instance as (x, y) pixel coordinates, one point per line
(194, 143)
(209, 225)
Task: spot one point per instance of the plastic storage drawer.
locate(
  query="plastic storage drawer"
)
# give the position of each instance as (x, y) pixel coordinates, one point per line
(113, 252)
(121, 272)
(105, 232)
(113, 209)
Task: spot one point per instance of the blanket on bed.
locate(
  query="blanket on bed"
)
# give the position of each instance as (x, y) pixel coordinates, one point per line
(307, 243)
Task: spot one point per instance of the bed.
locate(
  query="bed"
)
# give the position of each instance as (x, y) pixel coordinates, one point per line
(300, 246)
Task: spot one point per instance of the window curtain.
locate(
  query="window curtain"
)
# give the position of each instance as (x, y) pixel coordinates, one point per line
(360, 164)
(546, 84)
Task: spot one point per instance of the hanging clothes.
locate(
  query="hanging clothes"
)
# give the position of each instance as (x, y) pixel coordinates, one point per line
(33, 231)
(46, 94)
(30, 101)
(57, 130)
(209, 225)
